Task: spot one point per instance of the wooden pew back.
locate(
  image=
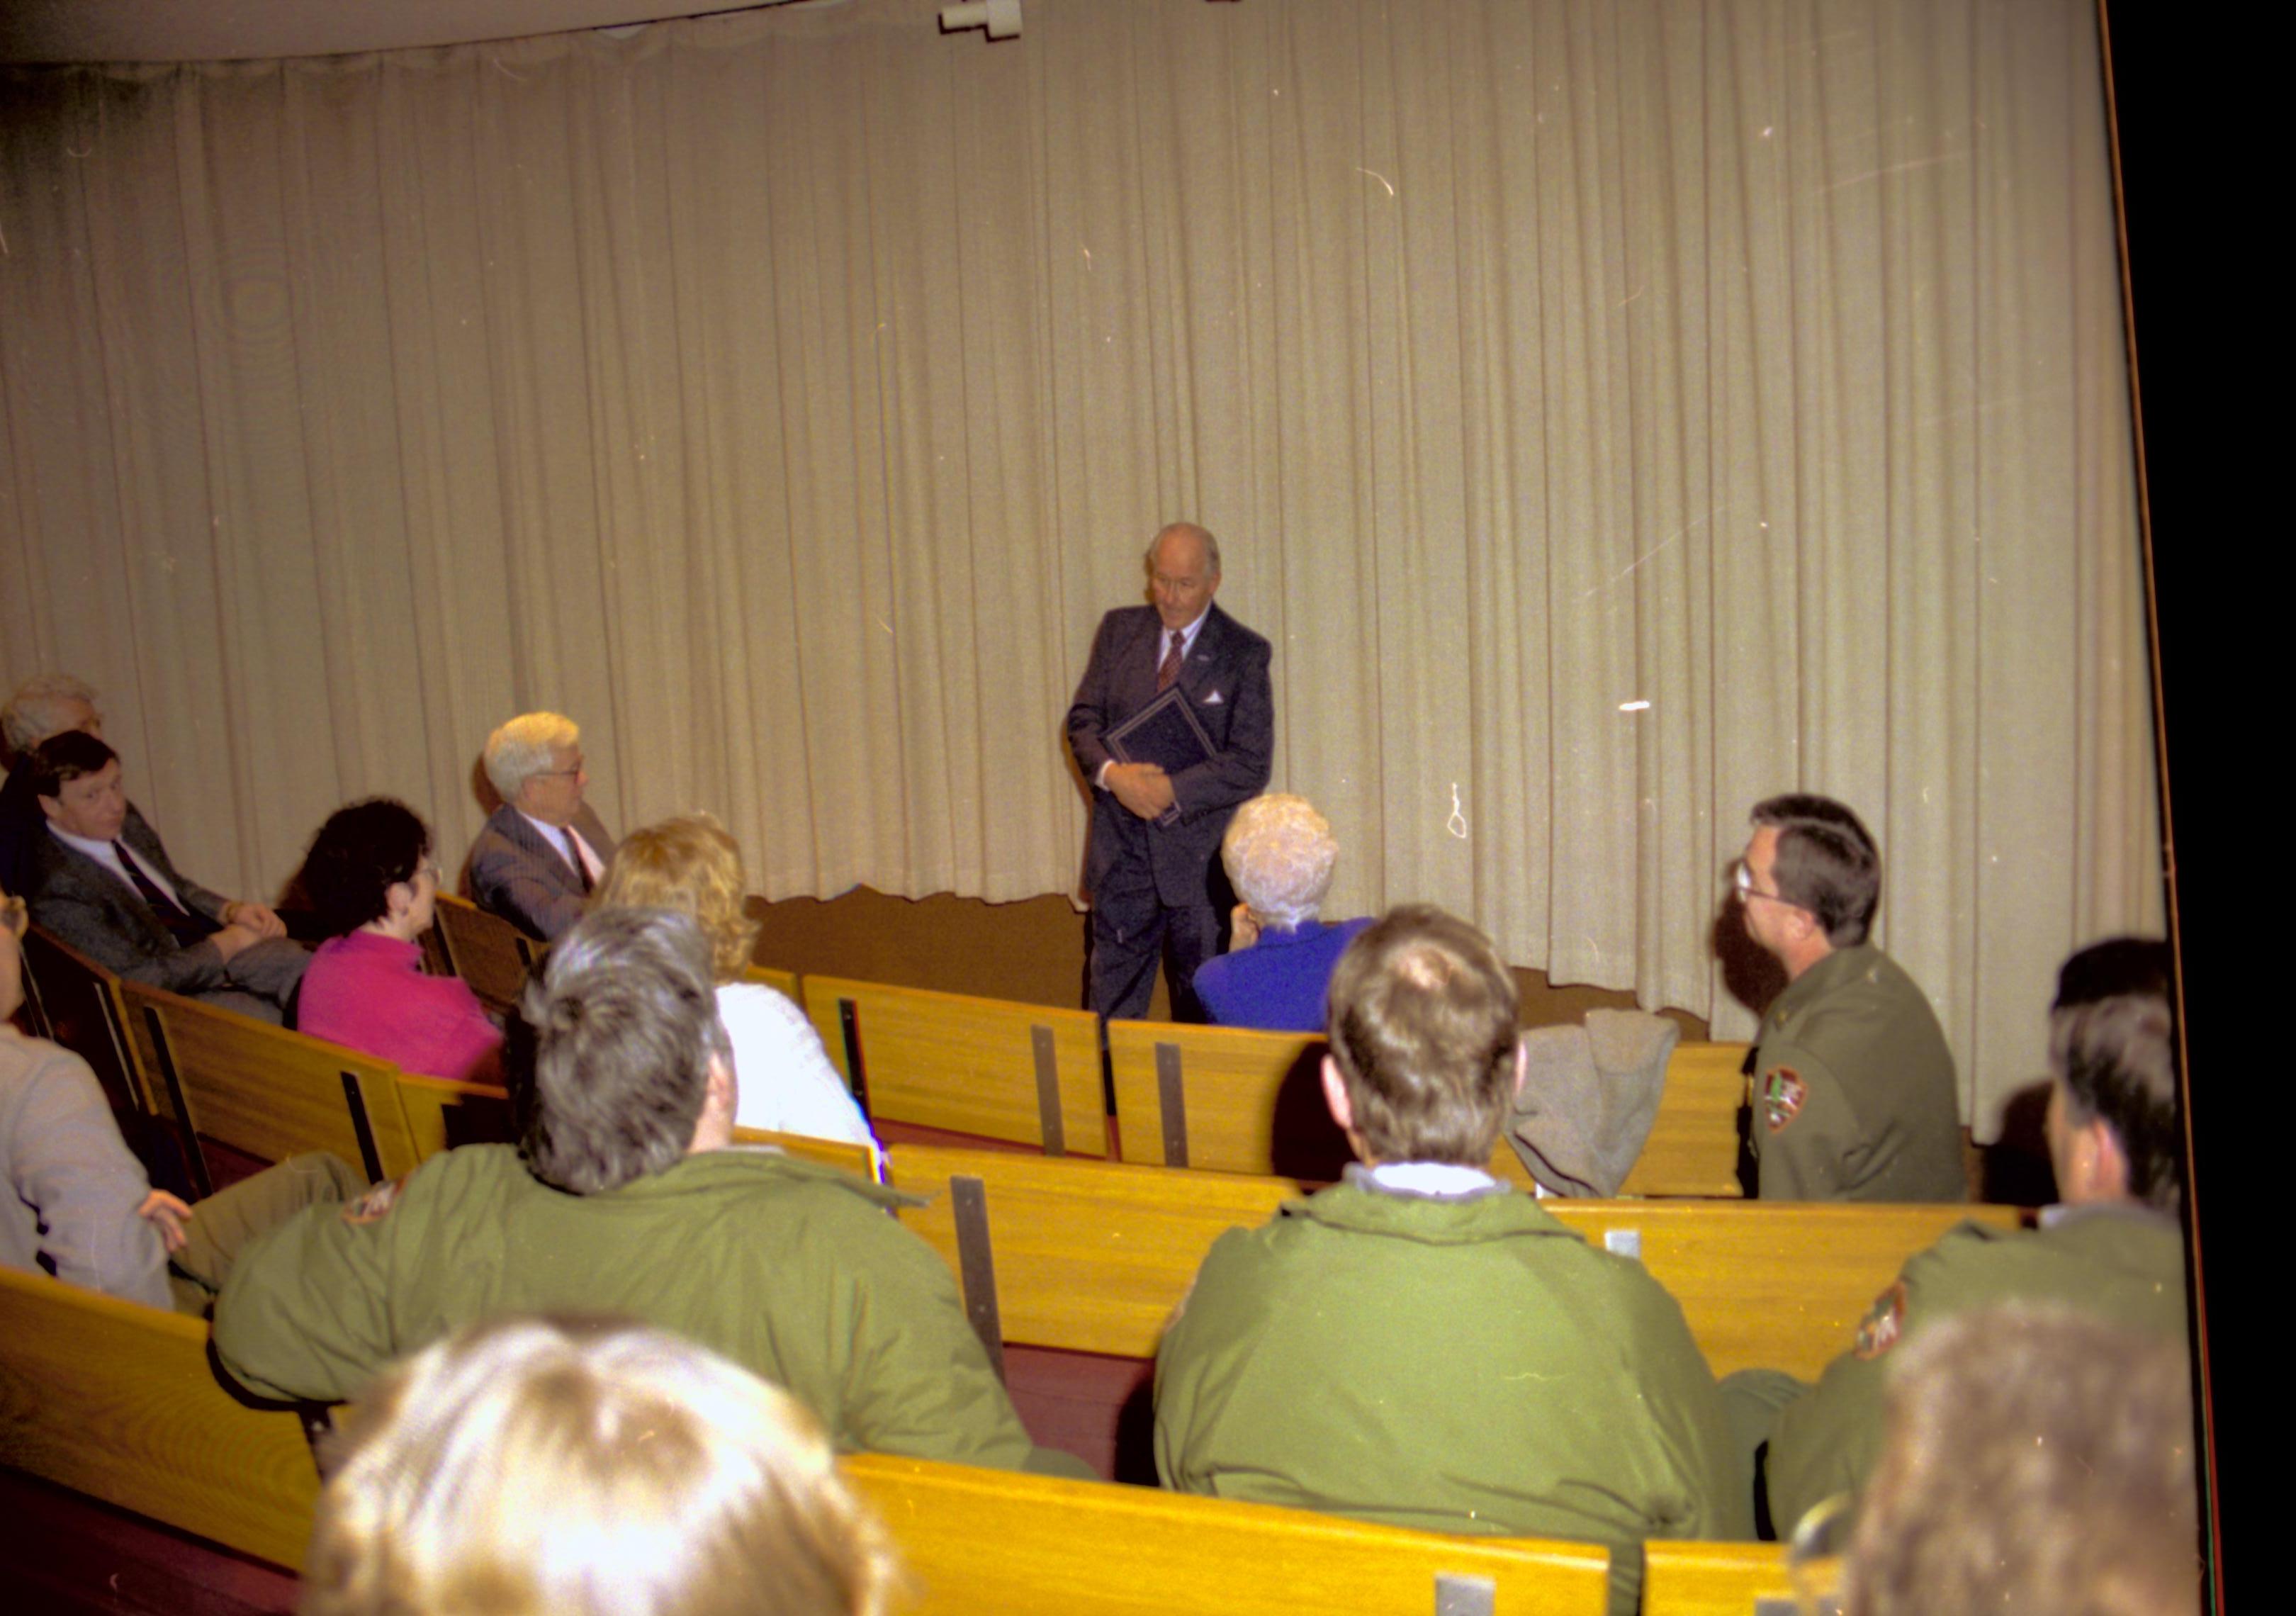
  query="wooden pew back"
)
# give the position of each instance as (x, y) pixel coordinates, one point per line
(783, 982)
(1036, 1546)
(1233, 1100)
(858, 1159)
(78, 1000)
(1086, 1255)
(264, 1090)
(1727, 1580)
(992, 1068)
(1092, 1257)
(117, 1401)
(444, 1112)
(491, 956)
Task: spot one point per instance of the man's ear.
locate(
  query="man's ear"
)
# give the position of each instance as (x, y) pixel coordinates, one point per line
(1522, 1066)
(2111, 1158)
(1335, 1096)
(52, 806)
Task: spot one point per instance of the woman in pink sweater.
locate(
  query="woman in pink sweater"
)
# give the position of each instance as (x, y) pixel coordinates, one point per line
(370, 875)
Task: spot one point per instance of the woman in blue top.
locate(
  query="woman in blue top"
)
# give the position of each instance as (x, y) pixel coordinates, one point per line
(1279, 852)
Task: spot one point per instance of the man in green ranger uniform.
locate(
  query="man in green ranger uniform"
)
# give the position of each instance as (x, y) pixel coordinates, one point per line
(627, 1197)
(1853, 1083)
(2111, 1247)
(1419, 1345)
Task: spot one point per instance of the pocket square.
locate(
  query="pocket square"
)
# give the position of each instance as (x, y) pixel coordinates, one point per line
(1212, 698)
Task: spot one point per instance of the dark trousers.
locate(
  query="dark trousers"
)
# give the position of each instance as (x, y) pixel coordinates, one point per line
(1132, 930)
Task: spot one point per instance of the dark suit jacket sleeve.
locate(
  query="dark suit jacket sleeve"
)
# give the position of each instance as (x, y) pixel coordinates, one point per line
(1089, 716)
(1243, 767)
(505, 881)
(75, 901)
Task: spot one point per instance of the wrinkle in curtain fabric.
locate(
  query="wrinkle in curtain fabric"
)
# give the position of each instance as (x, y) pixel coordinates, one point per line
(1614, 415)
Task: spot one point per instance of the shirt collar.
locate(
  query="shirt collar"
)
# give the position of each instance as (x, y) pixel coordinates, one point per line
(1447, 1180)
(1187, 636)
(101, 851)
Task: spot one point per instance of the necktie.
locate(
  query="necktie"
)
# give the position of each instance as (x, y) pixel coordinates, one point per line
(186, 927)
(1170, 669)
(581, 866)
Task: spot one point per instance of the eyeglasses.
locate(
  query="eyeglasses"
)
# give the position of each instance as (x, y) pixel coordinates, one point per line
(1743, 878)
(15, 916)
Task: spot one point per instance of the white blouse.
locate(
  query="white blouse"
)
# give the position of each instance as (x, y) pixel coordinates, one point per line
(785, 1081)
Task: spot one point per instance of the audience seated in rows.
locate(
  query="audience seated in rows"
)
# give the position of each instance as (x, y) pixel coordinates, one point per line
(103, 882)
(1279, 853)
(627, 1195)
(542, 853)
(588, 1467)
(787, 1084)
(2039, 1460)
(1421, 1346)
(2111, 1247)
(370, 875)
(78, 1204)
(1854, 1096)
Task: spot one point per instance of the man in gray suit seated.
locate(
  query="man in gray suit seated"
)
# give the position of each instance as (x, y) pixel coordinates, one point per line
(101, 882)
(544, 850)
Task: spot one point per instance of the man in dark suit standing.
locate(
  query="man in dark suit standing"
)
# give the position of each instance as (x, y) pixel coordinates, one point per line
(541, 852)
(1152, 869)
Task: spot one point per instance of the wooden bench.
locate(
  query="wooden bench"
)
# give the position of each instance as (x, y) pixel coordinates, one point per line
(491, 956)
(783, 982)
(1036, 1546)
(76, 1002)
(990, 1068)
(1092, 1257)
(1233, 1100)
(117, 1400)
(263, 1090)
(1727, 1580)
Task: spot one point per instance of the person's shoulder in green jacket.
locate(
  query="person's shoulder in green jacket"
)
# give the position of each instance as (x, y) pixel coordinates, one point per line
(2126, 1264)
(1422, 1347)
(2114, 1247)
(625, 1198)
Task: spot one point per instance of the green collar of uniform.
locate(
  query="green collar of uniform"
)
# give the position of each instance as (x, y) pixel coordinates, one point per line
(1441, 1221)
(740, 1160)
(1842, 966)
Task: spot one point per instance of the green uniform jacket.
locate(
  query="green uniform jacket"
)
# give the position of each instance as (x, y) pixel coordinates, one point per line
(1453, 1365)
(1853, 1089)
(790, 1268)
(2123, 1263)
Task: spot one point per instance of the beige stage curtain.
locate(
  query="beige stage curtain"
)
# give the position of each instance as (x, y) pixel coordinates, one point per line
(1613, 413)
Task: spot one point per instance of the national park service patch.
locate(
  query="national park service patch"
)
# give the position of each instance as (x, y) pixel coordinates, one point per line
(1884, 1323)
(1783, 1093)
(374, 1205)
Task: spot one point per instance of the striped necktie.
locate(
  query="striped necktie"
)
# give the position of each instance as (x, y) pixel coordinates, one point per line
(1170, 670)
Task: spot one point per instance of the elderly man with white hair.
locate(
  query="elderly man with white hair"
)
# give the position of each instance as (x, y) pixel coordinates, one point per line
(544, 850)
(45, 704)
(1279, 853)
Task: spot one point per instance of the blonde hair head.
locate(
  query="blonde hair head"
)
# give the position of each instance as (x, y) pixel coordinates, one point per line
(588, 1468)
(689, 863)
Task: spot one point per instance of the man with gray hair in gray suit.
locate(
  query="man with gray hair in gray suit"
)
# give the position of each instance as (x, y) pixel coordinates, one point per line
(540, 854)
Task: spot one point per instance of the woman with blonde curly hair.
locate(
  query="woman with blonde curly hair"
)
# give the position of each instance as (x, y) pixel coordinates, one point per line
(786, 1083)
(588, 1467)
(1279, 852)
